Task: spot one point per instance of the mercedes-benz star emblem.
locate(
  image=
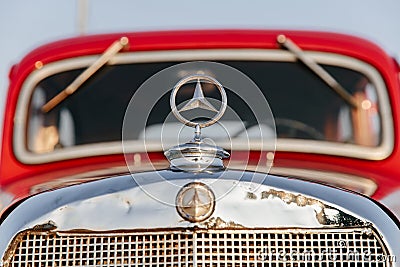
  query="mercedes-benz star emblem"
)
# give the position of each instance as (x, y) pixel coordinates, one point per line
(198, 100)
(195, 202)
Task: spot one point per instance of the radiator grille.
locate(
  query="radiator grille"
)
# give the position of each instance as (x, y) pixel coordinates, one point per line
(295, 248)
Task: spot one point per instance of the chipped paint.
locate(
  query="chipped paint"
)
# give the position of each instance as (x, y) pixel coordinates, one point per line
(325, 214)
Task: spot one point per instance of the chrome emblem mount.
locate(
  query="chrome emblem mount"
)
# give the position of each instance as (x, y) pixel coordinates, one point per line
(195, 202)
(197, 155)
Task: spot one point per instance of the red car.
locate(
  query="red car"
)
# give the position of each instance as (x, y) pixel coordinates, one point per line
(192, 148)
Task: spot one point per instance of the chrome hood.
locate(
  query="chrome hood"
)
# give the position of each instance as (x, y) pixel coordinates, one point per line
(118, 203)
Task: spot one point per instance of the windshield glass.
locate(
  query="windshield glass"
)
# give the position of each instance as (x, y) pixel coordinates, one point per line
(304, 107)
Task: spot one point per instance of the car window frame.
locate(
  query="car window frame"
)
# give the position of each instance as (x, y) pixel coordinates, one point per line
(380, 152)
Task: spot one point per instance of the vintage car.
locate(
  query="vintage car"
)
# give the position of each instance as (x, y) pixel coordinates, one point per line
(202, 148)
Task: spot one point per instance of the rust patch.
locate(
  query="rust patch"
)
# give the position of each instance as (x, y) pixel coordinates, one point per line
(251, 195)
(218, 223)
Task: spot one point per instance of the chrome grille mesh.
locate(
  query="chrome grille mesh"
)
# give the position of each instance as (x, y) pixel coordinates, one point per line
(295, 248)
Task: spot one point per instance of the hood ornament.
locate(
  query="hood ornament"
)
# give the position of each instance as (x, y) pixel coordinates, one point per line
(197, 155)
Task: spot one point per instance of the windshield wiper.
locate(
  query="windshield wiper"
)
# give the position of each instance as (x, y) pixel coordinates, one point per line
(285, 42)
(112, 50)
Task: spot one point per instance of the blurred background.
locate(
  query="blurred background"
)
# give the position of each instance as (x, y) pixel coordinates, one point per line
(24, 25)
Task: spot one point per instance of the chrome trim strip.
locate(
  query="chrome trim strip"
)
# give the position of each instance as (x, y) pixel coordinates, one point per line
(366, 186)
(294, 145)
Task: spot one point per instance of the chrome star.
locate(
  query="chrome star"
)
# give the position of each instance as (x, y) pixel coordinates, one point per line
(198, 100)
(195, 202)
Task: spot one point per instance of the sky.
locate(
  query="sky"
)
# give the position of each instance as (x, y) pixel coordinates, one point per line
(25, 25)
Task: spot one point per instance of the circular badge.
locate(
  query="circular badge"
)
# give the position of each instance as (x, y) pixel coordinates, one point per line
(195, 202)
(198, 100)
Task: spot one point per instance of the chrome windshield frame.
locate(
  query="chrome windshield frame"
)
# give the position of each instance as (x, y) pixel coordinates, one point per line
(288, 145)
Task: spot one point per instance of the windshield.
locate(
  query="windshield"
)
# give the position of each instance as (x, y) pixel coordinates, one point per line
(304, 107)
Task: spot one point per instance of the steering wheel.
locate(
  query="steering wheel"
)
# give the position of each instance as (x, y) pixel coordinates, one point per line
(289, 128)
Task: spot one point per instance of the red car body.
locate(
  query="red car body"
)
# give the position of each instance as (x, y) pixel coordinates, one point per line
(18, 178)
